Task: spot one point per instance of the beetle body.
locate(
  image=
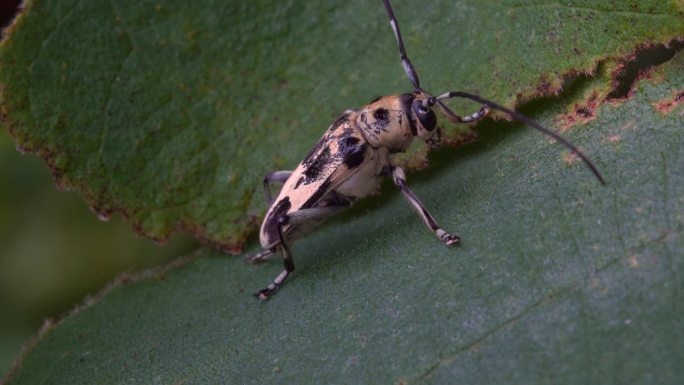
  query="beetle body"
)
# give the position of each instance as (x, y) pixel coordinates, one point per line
(345, 165)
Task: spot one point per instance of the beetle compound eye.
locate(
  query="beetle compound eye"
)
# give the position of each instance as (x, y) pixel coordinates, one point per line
(428, 120)
(381, 114)
(425, 115)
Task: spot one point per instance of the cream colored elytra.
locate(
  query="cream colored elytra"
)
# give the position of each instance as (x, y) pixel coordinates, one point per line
(346, 164)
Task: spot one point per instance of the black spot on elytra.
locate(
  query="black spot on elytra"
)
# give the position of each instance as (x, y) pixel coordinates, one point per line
(313, 151)
(281, 207)
(348, 141)
(340, 119)
(316, 164)
(301, 179)
(355, 158)
(351, 151)
(279, 210)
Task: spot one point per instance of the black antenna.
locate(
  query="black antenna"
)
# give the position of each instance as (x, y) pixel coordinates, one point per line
(524, 119)
(405, 62)
(431, 100)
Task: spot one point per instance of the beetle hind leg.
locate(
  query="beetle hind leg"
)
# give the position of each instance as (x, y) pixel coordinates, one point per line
(448, 238)
(294, 218)
(287, 261)
(266, 293)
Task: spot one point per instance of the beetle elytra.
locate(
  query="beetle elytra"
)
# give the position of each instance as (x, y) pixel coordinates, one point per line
(355, 153)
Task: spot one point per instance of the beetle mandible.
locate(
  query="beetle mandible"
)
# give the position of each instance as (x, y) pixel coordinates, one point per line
(355, 153)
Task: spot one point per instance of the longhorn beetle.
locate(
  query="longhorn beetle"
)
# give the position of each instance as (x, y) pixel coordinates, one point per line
(353, 155)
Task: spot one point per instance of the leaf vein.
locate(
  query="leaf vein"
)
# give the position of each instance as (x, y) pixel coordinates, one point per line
(541, 303)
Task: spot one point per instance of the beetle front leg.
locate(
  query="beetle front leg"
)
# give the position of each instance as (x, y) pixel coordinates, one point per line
(400, 180)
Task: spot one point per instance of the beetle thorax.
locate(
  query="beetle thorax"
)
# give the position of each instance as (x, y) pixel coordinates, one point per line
(385, 123)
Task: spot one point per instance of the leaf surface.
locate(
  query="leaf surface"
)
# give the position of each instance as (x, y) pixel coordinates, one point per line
(171, 112)
(558, 279)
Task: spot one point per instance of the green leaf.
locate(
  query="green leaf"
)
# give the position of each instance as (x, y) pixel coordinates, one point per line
(558, 279)
(171, 112)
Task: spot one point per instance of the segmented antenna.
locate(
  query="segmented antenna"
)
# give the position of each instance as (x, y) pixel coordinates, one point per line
(405, 62)
(413, 77)
(524, 119)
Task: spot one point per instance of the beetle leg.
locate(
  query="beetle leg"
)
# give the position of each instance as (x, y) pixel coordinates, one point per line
(274, 177)
(287, 261)
(293, 219)
(296, 218)
(400, 180)
(259, 257)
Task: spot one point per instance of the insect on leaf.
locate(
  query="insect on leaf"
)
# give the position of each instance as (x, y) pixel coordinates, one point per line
(171, 112)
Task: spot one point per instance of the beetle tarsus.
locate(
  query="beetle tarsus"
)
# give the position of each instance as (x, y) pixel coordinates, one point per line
(448, 238)
(266, 293)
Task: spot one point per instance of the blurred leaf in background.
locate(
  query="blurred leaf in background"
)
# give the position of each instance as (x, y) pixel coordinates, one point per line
(53, 250)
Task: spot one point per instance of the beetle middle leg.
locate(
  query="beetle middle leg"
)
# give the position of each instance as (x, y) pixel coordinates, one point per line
(294, 219)
(274, 177)
(399, 178)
